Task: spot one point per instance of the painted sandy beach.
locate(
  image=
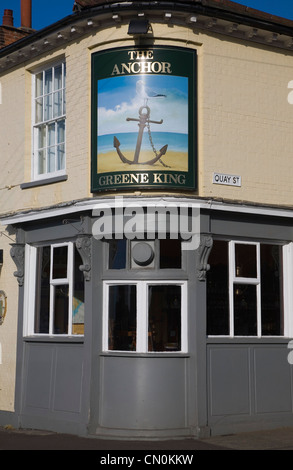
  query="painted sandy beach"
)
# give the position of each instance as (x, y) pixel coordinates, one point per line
(110, 162)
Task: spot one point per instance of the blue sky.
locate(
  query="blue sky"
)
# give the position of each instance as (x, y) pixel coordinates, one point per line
(46, 12)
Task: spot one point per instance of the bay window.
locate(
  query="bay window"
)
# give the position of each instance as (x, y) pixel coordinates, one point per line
(55, 291)
(145, 316)
(245, 289)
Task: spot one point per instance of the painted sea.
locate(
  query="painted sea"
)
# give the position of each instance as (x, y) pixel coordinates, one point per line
(176, 142)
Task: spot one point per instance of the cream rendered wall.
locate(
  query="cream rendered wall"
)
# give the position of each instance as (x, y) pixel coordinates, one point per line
(247, 121)
(8, 330)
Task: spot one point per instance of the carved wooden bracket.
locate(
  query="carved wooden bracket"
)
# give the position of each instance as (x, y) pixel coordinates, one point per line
(203, 252)
(17, 254)
(84, 247)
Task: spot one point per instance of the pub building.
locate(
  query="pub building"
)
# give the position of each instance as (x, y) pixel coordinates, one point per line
(146, 220)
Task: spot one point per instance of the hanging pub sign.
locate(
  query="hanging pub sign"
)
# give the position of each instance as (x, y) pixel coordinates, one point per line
(144, 119)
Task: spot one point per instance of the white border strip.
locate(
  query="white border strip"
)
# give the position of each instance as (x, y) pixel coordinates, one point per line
(145, 202)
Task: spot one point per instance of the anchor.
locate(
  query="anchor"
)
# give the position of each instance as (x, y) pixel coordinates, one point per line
(143, 122)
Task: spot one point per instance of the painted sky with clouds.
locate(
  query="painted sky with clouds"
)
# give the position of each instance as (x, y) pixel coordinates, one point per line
(118, 100)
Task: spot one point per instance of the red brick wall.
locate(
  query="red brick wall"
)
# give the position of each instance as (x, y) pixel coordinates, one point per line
(8, 35)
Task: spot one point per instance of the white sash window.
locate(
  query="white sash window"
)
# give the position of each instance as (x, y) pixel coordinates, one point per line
(49, 113)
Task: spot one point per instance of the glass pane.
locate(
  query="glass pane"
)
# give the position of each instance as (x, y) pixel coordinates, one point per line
(122, 318)
(51, 159)
(60, 157)
(117, 254)
(39, 110)
(48, 107)
(48, 81)
(51, 134)
(58, 77)
(41, 162)
(60, 131)
(218, 290)
(64, 102)
(61, 303)
(57, 100)
(42, 300)
(271, 290)
(245, 260)
(164, 320)
(60, 256)
(170, 254)
(78, 297)
(39, 84)
(41, 131)
(245, 310)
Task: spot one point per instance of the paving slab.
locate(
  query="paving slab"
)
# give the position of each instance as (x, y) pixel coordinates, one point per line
(12, 439)
(25, 439)
(274, 439)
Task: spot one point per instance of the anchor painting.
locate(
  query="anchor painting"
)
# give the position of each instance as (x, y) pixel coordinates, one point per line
(144, 120)
(138, 135)
(143, 123)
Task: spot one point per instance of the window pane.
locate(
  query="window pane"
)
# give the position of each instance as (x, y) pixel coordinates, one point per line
(39, 84)
(48, 107)
(58, 77)
(57, 100)
(271, 290)
(122, 318)
(60, 131)
(39, 110)
(170, 254)
(245, 310)
(117, 254)
(60, 254)
(245, 260)
(218, 290)
(61, 303)
(60, 157)
(42, 301)
(78, 297)
(41, 162)
(48, 81)
(51, 134)
(164, 320)
(41, 131)
(64, 102)
(51, 159)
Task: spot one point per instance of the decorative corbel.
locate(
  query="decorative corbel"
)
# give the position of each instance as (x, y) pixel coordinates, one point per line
(17, 254)
(84, 247)
(203, 252)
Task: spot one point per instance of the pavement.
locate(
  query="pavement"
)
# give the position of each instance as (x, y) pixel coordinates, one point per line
(14, 439)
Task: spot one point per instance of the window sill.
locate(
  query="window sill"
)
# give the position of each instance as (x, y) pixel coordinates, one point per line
(43, 182)
(247, 340)
(54, 339)
(135, 354)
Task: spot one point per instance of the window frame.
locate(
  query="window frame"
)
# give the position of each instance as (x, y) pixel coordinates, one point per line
(31, 253)
(234, 279)
(142, 315)
(287, 280)
(35, 175)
